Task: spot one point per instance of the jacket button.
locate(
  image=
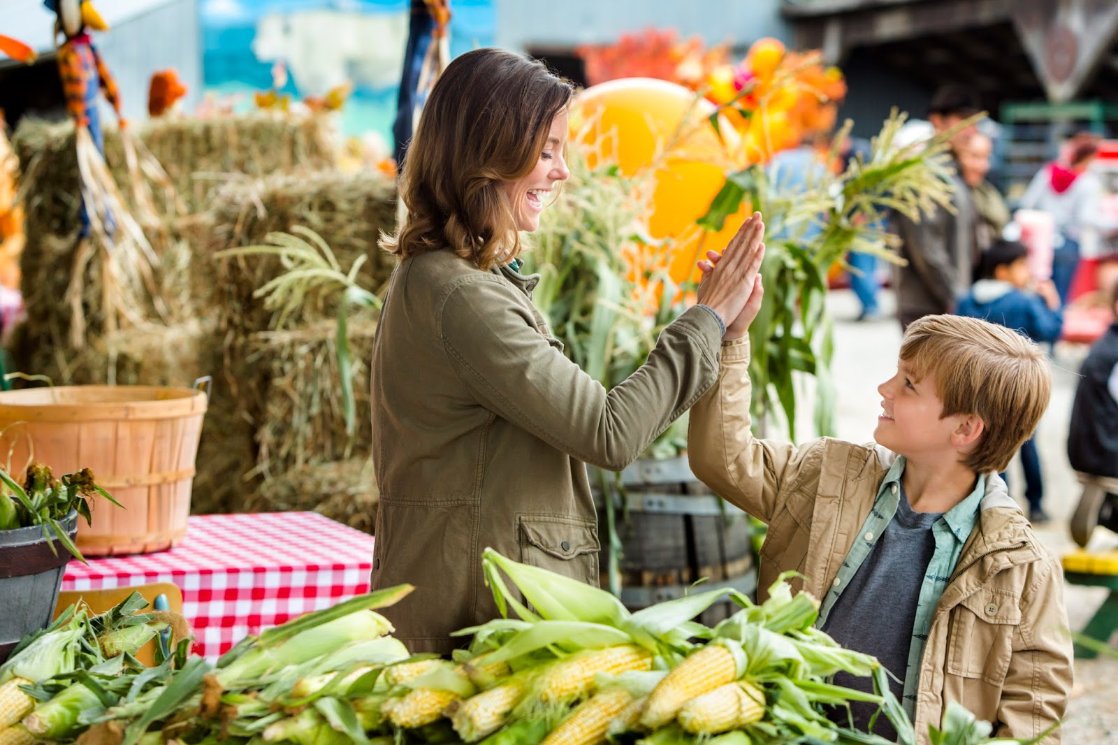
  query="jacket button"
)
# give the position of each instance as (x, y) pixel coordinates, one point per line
(991, 609)
(565, 546)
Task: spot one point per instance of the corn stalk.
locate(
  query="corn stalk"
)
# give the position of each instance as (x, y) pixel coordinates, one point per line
(310, 268)
(810, 227)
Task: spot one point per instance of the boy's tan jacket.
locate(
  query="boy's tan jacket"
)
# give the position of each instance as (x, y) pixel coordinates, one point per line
(998, 643)
(481, 428)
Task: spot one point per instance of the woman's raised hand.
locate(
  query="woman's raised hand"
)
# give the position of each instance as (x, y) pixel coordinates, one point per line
(731, 283)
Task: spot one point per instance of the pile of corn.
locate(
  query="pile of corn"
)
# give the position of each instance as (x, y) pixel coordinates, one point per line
(576, 668)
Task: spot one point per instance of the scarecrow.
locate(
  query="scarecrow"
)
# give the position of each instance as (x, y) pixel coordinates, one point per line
(84, 75)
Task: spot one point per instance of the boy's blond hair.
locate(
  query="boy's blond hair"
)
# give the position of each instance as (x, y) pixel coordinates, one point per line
(983, 369)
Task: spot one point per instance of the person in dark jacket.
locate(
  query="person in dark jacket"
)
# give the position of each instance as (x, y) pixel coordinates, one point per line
(1002, 295)
(1093, 434)
(940, 249)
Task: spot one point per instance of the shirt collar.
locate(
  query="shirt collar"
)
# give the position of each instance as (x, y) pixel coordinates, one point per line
(961, 518)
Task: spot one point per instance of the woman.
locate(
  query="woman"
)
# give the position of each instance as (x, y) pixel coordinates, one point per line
(1071, 193)
(481, 426)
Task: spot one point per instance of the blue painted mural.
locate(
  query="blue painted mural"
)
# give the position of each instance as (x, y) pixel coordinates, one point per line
(308, 47)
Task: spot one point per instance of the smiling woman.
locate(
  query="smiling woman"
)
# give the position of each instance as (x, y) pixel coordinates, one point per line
(481, 426)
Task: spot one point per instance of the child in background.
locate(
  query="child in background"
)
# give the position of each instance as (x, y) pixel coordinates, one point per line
(921, 557)
(1002, 295)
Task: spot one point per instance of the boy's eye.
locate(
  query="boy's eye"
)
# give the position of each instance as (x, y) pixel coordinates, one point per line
(546, 155)
(908, 383)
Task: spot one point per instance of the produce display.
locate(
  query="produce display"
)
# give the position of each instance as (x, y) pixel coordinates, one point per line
(48, 502)
(573, 666)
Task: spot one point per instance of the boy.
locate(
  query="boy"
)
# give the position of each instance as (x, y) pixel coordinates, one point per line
(920, 556)
(1093, 434)
(1002, 296)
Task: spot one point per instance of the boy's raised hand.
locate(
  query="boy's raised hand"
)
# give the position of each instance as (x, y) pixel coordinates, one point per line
(735, 275)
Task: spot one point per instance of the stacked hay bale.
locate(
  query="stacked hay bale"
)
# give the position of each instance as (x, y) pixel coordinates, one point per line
(268, 433)
(286, 379)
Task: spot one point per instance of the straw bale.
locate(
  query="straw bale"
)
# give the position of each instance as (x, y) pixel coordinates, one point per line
(349, 211)
(301, 418)
(343, 490)
(199, 155)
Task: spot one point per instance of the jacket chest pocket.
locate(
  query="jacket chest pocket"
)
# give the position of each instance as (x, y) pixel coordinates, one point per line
(982, 630)
(564, 545)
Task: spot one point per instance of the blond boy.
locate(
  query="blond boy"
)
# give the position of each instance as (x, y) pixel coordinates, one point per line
(913, 543)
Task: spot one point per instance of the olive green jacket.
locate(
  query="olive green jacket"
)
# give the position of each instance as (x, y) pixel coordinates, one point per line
(481, 428)
(999, 641)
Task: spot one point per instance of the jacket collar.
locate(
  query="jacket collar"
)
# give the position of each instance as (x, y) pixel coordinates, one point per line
(525, 282)
(1003, 539)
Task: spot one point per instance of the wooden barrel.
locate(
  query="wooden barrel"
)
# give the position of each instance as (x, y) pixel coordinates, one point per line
(139, 441)
(31, 570)
(673, 533)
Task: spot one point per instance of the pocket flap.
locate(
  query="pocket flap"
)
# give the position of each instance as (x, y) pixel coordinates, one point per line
(994, 607)
(561, 537)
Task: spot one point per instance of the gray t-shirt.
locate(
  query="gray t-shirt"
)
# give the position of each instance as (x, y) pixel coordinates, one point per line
(876, 612)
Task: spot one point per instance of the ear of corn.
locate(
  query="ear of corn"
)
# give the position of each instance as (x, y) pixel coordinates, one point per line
(419, 707)
(573, 677)
(629, 719)
(486, 712)
(704, 670)
(15, 704)
(587, 724)
(58, 718)
(405, 671)
(727, 707)
(17, 734)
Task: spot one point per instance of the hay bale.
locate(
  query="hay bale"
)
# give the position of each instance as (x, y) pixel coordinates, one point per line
(349, 211)
(302, 418)
(199, 155)
(344, 490)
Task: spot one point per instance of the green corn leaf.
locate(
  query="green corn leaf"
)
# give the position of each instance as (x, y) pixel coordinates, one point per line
(559, 598)
(345, 370)
(341, 716)
(184, 684)
(570, 635)
(369, 601)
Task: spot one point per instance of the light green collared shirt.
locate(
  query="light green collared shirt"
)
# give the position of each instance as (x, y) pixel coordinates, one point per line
(950, 531)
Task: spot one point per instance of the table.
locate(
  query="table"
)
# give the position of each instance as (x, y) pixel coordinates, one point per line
(1096, 570)
(240, 574)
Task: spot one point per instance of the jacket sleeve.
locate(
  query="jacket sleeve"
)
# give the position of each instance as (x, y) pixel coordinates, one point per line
(1038, 683)
(521, 376)
(1031, 198)
(108, 82)
(1045, 324)
(74, 82)
(926, 245)
(721, 449)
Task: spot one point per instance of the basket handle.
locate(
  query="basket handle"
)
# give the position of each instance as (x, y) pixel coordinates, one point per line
(204, 384)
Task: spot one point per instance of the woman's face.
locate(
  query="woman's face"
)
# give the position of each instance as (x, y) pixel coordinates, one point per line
(530, 194)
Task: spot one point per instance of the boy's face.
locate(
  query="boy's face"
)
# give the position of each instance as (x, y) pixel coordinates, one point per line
(910, 422)
(1016, 274)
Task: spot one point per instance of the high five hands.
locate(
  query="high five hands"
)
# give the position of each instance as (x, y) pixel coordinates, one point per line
(731, 281)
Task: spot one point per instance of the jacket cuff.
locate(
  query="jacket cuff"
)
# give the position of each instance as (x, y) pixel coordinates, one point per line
(736, 350)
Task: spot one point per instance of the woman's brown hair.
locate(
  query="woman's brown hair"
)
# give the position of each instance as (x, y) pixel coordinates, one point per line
(485, 124)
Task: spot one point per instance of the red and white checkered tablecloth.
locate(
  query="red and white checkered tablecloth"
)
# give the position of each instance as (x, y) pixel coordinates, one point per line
(241, 574)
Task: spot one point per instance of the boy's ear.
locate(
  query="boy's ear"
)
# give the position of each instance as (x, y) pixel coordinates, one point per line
(968, 431)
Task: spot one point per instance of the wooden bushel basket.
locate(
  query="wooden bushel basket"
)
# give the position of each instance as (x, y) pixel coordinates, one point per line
(139, 441)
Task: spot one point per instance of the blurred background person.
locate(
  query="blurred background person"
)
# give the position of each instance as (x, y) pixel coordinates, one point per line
(1004, 294)
(939, 250)
(1071, 193)
(973, 151)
